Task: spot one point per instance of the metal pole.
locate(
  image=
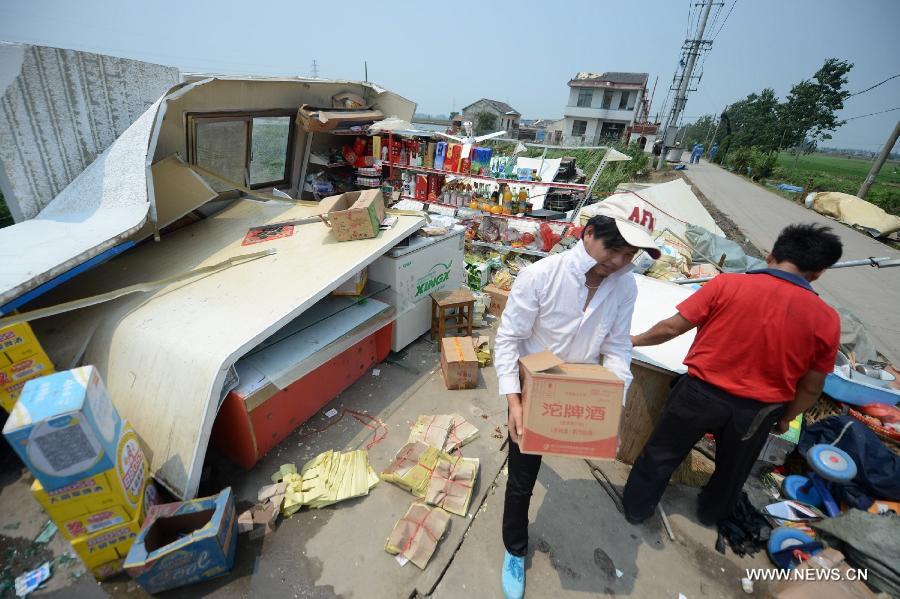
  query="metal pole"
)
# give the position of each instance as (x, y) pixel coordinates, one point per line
(883, 262)
(681, 97)
(879, 162)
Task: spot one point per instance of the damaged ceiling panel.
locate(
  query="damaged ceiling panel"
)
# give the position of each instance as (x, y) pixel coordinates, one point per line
(59, 110)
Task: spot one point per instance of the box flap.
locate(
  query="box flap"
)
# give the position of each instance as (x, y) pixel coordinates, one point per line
(458, 349)
(589, 371)
(541, 361)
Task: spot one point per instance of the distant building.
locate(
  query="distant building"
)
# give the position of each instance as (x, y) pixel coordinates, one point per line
(602, 106)
(507, 116)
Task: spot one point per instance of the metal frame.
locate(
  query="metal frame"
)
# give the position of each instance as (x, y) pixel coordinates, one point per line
(193, 119)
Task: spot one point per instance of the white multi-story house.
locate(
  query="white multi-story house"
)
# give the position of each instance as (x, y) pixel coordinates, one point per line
(602, 106)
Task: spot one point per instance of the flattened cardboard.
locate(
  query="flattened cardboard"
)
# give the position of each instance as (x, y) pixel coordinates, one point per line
(498, 299)
(569, 409)
(459, 364)
(320, 120)
(355, 214)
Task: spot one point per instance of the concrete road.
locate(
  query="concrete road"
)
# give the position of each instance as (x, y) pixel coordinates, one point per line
(872, 294)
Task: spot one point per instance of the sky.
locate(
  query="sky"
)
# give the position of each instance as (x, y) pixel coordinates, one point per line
(444, 56)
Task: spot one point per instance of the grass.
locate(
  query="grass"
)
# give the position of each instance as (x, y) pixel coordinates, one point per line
(828, 172)
(6, 218)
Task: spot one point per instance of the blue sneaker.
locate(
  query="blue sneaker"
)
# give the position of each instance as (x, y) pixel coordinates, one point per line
(513, 577)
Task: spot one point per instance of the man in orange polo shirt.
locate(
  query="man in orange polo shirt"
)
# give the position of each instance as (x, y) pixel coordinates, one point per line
(765, 342)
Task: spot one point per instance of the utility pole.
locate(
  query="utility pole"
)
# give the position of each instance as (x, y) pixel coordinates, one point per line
(314, 69)
(879, 162)
(716, 132)
(681, 96)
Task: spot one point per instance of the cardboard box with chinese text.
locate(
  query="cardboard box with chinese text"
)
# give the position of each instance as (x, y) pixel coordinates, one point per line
(355, 214)
(104, 551)
(569, 409)
(64, 427)
(498, 299)
(102, 500)
(21, 359)
(459, 364)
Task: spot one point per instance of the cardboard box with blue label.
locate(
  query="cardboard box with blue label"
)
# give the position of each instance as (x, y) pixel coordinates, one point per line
(64, 427)
(184, 542)
(103, 500)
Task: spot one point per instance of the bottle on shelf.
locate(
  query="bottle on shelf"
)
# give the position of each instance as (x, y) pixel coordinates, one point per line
(523, 199)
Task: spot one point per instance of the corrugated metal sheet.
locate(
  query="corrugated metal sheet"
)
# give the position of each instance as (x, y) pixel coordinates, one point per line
(60, 111)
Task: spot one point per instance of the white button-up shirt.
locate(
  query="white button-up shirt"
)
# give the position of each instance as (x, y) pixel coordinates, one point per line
(545, 310)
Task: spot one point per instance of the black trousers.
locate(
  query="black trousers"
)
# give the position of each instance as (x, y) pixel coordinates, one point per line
(694, 408)
(523, 470)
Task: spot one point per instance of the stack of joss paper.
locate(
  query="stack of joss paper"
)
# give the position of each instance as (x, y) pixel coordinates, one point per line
(437, 477)
(330, 477)
(448, 432)
(416, 534)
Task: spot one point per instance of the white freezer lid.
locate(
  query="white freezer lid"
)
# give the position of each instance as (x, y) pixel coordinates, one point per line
(418, 242)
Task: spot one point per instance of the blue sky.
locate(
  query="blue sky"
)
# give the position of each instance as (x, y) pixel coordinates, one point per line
(444, 55)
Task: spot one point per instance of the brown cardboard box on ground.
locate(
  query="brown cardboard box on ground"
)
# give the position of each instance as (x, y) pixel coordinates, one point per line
(355, 214)
(832, 582)
(498, 299)
(569, 409)
(459, 363)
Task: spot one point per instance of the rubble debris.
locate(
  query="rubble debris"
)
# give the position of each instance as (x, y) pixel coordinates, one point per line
(47, 532)
(30, 581)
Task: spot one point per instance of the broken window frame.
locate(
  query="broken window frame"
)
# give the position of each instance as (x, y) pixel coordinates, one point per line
(194, 119)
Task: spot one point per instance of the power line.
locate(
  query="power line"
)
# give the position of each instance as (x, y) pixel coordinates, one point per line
(862, 116)
(874, 86)
(719, 30)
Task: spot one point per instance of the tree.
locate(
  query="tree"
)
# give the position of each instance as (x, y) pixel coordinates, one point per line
(699, 131)
(453, 114)
(485, 122)
(754, 121)
(808, 114)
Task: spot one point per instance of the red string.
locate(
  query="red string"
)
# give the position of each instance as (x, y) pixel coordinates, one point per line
(360, 417)
(419, 526)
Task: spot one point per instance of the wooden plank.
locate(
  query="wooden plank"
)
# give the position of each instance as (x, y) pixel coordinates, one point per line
(643, 405)
(164, 354)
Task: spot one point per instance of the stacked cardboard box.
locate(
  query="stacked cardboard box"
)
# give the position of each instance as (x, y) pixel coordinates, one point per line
(21, 358)
(91, 476)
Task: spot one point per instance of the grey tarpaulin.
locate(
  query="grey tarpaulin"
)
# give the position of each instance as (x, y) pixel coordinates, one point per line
(854, 337)
(712, 246)
(868, 541)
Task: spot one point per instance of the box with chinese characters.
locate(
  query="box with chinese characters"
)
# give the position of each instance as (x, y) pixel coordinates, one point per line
(569, 409)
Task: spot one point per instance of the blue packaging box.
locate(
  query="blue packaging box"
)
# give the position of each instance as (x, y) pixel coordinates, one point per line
(184, 542)
(64, 427)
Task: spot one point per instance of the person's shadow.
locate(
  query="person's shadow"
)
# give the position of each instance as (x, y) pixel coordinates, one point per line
(585, 537)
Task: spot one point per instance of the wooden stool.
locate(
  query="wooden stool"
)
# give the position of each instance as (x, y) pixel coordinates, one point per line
(460, 300)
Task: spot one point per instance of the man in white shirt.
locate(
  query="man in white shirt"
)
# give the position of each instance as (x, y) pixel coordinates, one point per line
(577, 304)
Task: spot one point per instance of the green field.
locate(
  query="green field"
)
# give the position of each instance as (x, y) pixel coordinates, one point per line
(831, 172)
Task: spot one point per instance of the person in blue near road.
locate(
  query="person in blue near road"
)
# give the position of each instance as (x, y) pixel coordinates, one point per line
(713, 150)
(696, 153)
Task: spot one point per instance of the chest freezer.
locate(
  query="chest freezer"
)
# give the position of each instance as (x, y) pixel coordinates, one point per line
(414, 269)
